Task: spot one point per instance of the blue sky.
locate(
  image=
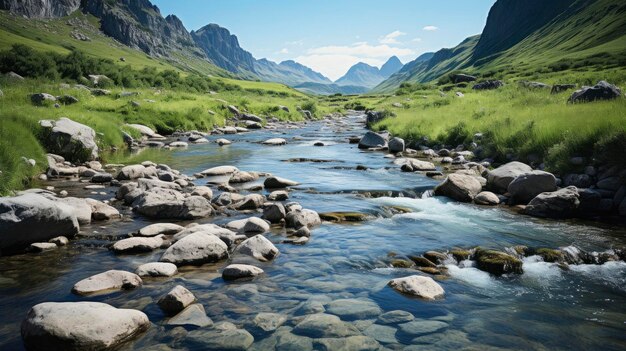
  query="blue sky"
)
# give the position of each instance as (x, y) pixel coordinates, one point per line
(330, 36)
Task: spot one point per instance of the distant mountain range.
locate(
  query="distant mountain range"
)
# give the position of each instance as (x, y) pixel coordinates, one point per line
(368, 76)
(522, 38)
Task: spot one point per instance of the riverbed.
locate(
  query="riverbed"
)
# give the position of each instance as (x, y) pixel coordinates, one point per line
(546, 307)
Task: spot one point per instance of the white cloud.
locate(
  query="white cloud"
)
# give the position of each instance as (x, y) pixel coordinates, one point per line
(334, 61)
(391, 38)
(283, 51)
(430, 28)
(417, 40)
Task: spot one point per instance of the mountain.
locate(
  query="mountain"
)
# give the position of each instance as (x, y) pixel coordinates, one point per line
(287, 72)
(329, 89)
(40, 8)
(368, 76)
(390, 67)
(522, 38)
(223, 49)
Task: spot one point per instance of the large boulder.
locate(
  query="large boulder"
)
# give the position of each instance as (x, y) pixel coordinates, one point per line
(601, 91)
(53, 326)
(373, 117)
(135, 172)
(176, 300)
(496, 262)
(196, 249)
(396, 145)
(562, 203)
(162, 204)
(108, 281)
(274, 212)
(459, 187)
(302, 218)
(72, 140)
(499, 179)
(371, 140)
(488, 85)
(419, 286)
(219, 170)
(30, 218)
(278, 183)
(528, 185)
(258, 247)
(144, 130)
(42, 99)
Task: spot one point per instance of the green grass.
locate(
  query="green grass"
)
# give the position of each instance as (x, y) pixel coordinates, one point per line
(532, 124)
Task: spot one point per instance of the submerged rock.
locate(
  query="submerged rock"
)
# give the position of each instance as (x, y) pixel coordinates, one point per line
(80, 326)
(325, 326)
(419, 286)
(239, 271)
(227, 340)
(277, 183)
(193, 315)
(349, 309)
(156, 269)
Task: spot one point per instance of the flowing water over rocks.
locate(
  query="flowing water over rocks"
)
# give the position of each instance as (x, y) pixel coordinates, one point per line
(332, 292)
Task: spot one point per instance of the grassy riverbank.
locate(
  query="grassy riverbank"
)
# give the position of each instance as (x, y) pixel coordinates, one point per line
(530, 124)
(165, 110)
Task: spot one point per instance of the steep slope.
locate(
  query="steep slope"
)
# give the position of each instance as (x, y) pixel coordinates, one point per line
(361, 74)
(223, 49)
(390, 67)
(548, 37)
(40, 8)
(287, 72)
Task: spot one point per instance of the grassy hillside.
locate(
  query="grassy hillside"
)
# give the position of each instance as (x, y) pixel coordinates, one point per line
(55, 36)
(588, 37)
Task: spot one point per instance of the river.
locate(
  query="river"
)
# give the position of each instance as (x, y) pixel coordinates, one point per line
(545, 308)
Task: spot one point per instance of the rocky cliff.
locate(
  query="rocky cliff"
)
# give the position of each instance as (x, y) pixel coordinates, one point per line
(223, 49)
(40, 8)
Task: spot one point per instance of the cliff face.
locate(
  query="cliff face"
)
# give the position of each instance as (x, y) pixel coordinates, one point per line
(510, 21)
(223, 49)
(40, 8)
(139, 24)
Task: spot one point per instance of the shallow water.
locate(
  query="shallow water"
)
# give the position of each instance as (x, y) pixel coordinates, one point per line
(545, 308)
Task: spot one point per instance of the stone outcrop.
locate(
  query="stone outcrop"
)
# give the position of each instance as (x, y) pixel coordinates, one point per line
(72, 140)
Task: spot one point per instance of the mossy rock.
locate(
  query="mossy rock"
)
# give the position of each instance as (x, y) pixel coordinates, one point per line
(400, 209)
(430, 270)
(344, 216)
(551, 255)
(436, 257)
(461, 255)
(497, 263)
(422, 261)
(402, 264)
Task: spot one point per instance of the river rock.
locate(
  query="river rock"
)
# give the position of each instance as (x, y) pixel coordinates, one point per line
(203, 191)
(41, 247)
(322, 325)
(487, 198)
(350, 343)
(562, 203)
(101, 211)
(275, 141)
(59, 241)
(239, 271)
(222, 142)
(371, 140)
(414, 165)
(243, 177)
(227, 236)
(101, 177)
(353, 309)
(255, 225)
(459, 187)
(144, 130)
(601, 91)
(160, 228)
(176, 300)
(138, 244)
(108, 281)
(396, 145)
(250, 202)
(227, 340)
(30, 218)
(269, 322)
(395, 317)
(81, 208)
(419, 286)
(72, 140)
(382, 333)
(135, 171)
(277, 183)
(196, 249)
(167, 205)
(258, 247)
(278, 195)
(302, 218)
(220, 170)
(528, 185)
(497, 263)
(274, 213)
(419, 327)
(78, 326)
(156, 269)
(193, 315)
(500, 178)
